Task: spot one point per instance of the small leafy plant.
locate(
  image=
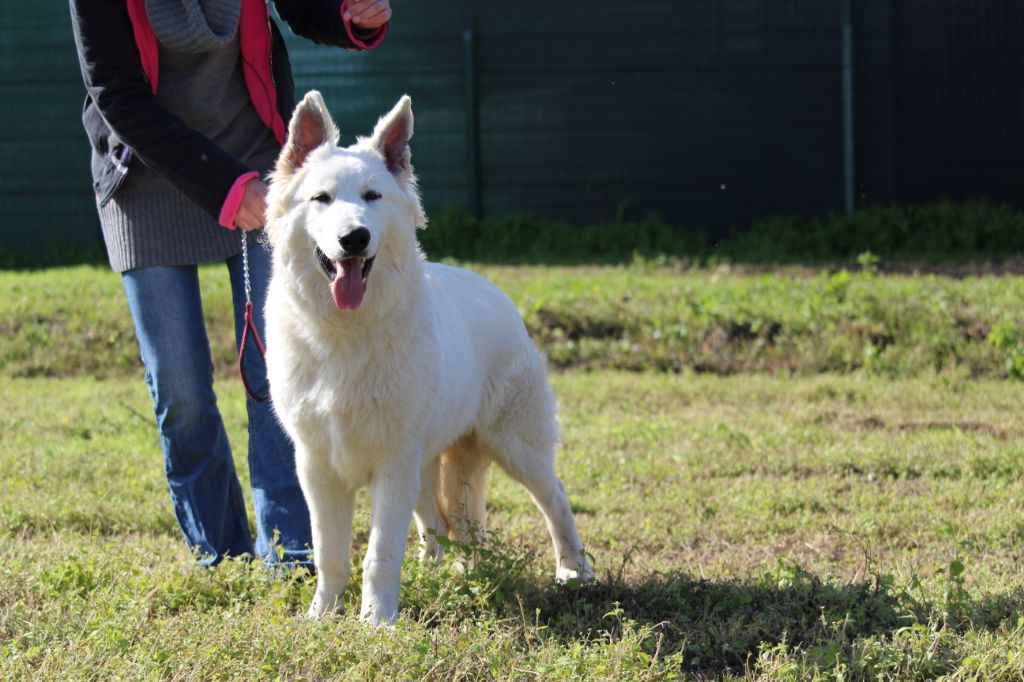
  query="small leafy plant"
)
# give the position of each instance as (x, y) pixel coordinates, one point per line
(1008, 337)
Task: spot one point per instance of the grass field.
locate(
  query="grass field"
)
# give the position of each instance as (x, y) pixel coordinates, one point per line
(821, 476)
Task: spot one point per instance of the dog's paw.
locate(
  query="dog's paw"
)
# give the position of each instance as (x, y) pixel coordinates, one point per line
(431, 552)
(379, 617)
(580, 574)
(323, 606)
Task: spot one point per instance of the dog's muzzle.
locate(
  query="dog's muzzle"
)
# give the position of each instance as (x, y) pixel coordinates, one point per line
(347, 278)
(327, 265)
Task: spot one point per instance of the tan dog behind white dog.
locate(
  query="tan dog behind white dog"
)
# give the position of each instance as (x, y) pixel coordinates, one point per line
(391, 372)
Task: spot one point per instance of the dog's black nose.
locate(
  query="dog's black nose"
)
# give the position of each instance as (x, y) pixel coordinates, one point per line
(355, 241)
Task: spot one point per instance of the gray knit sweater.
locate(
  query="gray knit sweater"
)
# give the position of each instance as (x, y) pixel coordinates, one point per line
(149, 222)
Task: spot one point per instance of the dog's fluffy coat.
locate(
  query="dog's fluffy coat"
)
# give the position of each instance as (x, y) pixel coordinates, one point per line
(411, 388)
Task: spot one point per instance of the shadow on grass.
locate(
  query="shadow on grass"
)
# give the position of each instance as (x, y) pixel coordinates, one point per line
(721, 625)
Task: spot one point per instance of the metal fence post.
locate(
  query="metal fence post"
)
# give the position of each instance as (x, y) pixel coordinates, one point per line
(849, 167)
(472, 107)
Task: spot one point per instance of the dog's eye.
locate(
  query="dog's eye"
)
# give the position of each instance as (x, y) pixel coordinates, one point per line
(370, 195)
(322, 197)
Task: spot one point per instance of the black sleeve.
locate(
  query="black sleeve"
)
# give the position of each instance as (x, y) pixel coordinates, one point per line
(115, 81)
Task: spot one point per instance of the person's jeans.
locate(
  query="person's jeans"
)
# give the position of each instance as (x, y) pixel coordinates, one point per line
(167, 310)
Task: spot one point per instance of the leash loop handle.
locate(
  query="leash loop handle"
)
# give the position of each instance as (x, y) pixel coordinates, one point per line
(249, 330)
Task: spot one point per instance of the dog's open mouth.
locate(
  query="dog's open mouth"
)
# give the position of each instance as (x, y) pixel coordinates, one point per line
(348, 279)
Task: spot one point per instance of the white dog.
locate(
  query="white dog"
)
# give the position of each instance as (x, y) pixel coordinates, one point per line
(391, 372)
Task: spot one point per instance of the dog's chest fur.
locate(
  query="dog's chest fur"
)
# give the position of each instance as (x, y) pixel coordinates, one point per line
(342, 390)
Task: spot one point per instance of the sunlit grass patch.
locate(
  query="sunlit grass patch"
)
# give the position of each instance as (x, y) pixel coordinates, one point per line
(748, 526)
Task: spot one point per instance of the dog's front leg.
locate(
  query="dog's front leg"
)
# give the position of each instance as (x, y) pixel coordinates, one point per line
(394, 493)
(331, 504)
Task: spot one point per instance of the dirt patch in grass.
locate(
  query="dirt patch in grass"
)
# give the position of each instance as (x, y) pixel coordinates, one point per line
(965, 426)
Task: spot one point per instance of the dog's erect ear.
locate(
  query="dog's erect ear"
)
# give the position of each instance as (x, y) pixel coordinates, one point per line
(391, 138)
(310, 127)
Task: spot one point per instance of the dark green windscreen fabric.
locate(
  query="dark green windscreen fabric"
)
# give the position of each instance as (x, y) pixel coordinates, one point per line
(709, 113)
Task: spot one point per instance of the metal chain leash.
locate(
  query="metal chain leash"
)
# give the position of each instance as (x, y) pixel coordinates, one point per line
(245, 267)
(249, 329)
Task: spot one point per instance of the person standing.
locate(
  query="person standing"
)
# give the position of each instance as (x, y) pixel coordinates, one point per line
(186, 110)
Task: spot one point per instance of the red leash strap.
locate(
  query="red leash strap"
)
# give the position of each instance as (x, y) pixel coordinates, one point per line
(249, 330)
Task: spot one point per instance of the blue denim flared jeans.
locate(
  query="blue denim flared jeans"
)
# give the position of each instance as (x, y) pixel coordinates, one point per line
(166, 307)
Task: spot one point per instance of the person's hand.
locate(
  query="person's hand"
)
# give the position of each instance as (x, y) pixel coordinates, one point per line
(252, 210)
(368, 14)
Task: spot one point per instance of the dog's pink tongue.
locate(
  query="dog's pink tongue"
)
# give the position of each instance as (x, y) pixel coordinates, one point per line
(348, 283)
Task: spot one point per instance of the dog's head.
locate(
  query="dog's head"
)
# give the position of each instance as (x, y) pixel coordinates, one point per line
(337, 215)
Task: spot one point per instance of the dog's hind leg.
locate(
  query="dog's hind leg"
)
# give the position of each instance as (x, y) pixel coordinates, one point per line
(430, 523)
(330, 512)
(534, 468)
(522, 438)
(462, 489)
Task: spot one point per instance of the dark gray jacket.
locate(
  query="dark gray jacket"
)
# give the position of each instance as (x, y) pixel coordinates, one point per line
(125, 123)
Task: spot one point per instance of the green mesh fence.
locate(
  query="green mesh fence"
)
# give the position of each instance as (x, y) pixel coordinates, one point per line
(709, 113)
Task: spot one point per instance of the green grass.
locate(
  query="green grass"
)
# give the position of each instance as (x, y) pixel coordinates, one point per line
(74, 321)
(783, 523)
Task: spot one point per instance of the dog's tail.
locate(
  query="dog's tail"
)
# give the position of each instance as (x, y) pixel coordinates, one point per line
(462, 489)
